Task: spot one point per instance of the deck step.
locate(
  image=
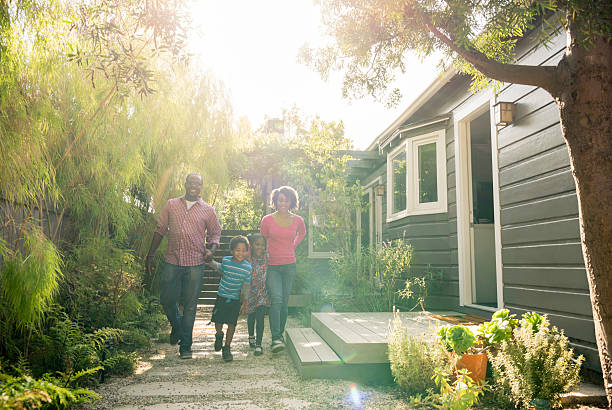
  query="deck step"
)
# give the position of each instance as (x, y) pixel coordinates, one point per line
(314, 358)
(311, 355)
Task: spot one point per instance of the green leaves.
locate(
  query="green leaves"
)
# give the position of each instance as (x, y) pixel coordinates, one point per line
(28, 283)
(499, 328)
(458, 339)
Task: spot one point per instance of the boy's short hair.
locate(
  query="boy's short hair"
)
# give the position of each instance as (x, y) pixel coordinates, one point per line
(239, 239)
(257, 236)
(289, 193)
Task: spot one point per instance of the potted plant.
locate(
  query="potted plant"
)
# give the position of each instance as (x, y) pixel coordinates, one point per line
(459, 340)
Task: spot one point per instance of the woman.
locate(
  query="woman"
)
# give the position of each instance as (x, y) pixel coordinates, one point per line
(284, 231)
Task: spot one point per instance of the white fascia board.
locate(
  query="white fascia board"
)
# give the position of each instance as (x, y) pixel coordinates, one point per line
(429, 92)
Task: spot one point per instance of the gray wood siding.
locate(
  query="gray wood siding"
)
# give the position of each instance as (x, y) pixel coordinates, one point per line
(433, 237)
(543, 267)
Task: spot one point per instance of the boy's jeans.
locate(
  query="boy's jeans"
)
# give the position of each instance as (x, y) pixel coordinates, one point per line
(181, 284)
(279, 281)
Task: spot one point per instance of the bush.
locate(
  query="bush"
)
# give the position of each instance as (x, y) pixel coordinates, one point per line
(535, 365)
(414, 359)
(374, 277)
(121, 364)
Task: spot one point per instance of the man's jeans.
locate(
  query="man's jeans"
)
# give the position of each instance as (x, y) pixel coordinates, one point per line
(279, 281)
(181, 284)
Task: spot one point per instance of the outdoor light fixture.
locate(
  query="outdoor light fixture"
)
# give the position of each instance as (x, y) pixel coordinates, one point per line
(504, 113)
(380, 190)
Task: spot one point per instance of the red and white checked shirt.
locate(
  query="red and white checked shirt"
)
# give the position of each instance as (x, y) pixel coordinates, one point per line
(188, 230)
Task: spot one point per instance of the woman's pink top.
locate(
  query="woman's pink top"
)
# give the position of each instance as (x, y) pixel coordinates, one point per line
(282, 241)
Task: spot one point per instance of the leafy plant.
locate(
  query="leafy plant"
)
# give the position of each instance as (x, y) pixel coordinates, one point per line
(121, 364)
(460, 394)
(29, 282)
(373, 277)
(499, 328)
(414, 359)
(458, 339)
(23, 391)
(533, 320)
(535, 365)
(417, 287)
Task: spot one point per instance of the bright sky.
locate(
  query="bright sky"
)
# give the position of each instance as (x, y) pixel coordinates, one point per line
(252, 47)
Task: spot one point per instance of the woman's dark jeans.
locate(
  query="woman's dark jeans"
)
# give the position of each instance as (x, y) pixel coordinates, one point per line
(181, 284)
(279, 281)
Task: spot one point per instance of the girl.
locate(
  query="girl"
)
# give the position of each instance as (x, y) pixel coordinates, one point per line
(257, 300)
(283, 231)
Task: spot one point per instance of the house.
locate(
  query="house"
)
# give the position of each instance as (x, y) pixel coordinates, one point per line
(491, 206)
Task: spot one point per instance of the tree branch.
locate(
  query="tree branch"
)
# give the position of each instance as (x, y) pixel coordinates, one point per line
(539, 76)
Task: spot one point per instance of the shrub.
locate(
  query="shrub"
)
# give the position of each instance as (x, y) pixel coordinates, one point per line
(535, 365)
(121, 364)
(414, 359)
(23, 391)
(373, 277)
(460, 394)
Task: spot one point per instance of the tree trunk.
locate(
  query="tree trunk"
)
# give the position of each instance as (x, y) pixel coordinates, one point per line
(585, 106)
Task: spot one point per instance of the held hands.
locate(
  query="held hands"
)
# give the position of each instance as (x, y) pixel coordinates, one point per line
(208, 254)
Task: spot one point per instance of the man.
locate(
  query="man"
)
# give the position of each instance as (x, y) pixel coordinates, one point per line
(190, 223)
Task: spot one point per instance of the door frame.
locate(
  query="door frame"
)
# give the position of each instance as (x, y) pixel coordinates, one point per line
(471, 109)
(376, 203)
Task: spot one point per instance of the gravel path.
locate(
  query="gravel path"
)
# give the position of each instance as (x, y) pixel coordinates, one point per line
(163, 381)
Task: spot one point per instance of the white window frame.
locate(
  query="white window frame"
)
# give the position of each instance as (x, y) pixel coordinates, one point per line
(400, 214)
(413, 207)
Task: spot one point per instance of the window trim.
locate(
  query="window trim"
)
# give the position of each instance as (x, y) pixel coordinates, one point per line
(413, 207)
(400, 214)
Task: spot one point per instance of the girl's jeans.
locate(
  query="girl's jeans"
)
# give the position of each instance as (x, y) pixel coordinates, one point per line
(279, 281)
(181, 284)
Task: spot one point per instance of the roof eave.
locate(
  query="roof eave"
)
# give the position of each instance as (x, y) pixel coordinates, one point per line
(429, 92)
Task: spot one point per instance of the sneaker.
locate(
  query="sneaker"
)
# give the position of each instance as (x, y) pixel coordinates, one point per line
(174, 336)
(277, 346)
(226, 354)
(251, 341)
(218, 341)
(185, 354)
(258, 350)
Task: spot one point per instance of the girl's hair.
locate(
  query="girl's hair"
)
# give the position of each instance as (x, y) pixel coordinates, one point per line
(257, 236)
(239, 239)
(289, 193)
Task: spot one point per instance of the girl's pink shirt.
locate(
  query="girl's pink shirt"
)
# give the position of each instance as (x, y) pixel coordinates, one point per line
(282, 241)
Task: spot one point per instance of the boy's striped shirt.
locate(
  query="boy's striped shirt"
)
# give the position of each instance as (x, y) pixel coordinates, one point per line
(234, 275)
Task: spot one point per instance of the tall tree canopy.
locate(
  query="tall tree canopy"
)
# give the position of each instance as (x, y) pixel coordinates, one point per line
(373, 37)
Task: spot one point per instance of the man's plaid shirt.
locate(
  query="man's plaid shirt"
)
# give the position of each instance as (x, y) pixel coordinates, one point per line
(188, 231)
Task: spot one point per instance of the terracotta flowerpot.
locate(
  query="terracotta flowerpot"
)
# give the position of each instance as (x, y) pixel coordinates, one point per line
(476, 364)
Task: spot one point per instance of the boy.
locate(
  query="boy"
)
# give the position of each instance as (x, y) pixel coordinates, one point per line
(236, 273)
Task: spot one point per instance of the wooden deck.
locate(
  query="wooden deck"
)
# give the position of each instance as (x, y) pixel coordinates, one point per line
(354, 345)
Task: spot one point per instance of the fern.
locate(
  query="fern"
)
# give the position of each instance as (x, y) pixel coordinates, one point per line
(101, 337)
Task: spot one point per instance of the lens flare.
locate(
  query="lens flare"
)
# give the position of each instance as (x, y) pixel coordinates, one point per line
(355, 396)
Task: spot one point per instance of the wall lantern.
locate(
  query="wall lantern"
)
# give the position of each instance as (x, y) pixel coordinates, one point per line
(504, 113)
(379, 189)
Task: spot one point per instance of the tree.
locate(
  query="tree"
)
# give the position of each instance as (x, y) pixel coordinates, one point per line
(372, 38)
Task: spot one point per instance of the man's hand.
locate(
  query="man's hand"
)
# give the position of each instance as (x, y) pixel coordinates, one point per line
(149, 265)
(208, 255)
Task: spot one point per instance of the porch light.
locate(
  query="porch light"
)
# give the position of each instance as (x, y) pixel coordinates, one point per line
(504, 113)
(380, 190)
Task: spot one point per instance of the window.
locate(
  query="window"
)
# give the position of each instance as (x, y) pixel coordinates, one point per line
(416, 177)
(323, 239)
(398, 172)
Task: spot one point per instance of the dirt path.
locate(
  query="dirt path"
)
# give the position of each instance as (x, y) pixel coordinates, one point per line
(163, 381)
